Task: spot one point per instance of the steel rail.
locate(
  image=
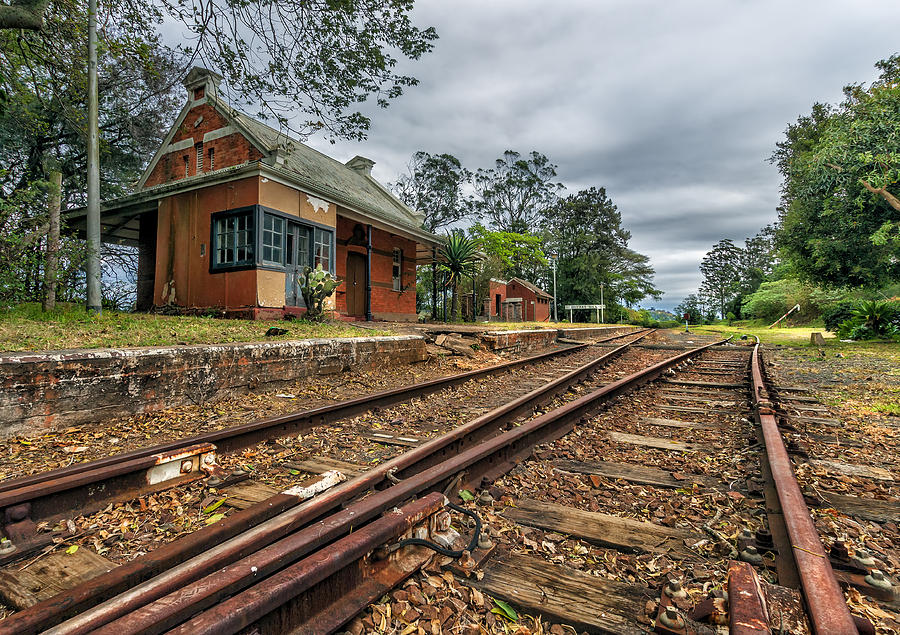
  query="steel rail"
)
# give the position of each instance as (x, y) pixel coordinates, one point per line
(205, 548)
(827, 608)
(483, 460)
(234, 435)
(89, 486)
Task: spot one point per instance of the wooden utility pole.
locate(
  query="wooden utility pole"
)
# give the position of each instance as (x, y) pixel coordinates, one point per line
(51, 266)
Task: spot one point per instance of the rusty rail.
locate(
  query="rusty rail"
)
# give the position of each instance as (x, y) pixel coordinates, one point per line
(89, 486)
(828, 612)
(483, 460)
(195, 555)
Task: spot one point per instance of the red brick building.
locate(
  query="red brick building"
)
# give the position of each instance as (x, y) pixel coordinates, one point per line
(229, 212)
(517, 300)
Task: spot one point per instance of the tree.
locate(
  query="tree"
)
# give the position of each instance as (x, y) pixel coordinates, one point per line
(42, 129)
(511, 255)
(433, 185)
(23, 14)
(285, 57)
(721, 269)
(458, 256)
(691, 307)
(585, 231)
(840, 215)
(516, 192)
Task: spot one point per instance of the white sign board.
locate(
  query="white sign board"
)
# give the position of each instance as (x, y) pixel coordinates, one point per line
(576, 307)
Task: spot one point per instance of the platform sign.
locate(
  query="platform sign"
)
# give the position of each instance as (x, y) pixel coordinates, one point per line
(597, 308)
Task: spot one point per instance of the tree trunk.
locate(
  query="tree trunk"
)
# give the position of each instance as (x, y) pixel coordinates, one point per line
(51, 266)
(454, 303)
(24, 14)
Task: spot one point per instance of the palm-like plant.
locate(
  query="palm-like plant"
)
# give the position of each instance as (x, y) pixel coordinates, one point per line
(458, 255)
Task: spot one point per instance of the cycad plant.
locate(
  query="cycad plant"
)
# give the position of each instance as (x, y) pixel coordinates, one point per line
(458, 254)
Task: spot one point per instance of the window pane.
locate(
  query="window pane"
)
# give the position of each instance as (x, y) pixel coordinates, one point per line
(234, 239)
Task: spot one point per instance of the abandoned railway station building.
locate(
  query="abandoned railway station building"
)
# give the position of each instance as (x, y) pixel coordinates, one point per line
(517, 300)
(229, 211)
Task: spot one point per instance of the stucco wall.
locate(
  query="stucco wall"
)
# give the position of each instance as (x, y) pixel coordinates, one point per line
(41, 391)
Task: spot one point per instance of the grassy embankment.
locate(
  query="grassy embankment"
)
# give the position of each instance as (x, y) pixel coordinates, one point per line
(863, 377)
(26, 328)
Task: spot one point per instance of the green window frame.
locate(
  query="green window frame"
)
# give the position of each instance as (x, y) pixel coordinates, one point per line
(273, 239)
(233, 239)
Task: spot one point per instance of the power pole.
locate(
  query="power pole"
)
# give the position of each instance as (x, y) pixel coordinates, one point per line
(94, 304)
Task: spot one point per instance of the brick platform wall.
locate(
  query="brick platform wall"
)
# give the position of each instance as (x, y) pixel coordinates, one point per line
(596, 333)
(41, 391)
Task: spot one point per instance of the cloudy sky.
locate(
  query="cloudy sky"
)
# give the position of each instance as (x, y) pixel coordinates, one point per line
(674, 107)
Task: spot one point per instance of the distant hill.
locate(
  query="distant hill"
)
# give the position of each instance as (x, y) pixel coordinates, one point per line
(661, 315)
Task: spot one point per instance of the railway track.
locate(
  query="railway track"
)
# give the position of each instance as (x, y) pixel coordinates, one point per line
(284, 565)
(84, 487)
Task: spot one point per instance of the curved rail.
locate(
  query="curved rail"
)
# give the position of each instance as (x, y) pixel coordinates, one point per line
(178, 593)
(91, 485)
(251, 529)
(825, 602)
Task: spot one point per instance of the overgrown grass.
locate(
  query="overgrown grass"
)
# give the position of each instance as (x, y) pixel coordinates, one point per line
(27, 328)
(788, 336)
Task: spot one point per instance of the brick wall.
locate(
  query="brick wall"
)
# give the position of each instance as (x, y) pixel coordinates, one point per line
(230, 150)
(41, 391)
(387, 304)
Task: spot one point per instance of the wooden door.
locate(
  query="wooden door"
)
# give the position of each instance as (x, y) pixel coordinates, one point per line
(356, 284)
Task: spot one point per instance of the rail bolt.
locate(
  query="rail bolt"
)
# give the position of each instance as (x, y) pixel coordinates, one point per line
(764, 538)
(751, 554)
(442, 521)
(864, 558)
(485, 498)
(671, 618)
(674, 590)
(6, 546)
(484, 541)
(876, 578)
(187, 466)
(209, 459)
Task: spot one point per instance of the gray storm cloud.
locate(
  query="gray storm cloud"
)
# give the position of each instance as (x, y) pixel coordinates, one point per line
(674, 107)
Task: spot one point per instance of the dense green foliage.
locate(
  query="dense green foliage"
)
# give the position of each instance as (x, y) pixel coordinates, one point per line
(773, 299)
(841, 166)
(585, 231)
(872, 319)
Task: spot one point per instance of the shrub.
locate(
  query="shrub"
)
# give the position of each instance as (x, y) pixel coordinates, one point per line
(837, 314)
(871, 319)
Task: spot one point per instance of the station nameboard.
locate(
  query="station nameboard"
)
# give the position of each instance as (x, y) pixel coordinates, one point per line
(576, 307)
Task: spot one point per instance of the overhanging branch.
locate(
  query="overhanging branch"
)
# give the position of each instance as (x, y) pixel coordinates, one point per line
(23, 14)
(892, 200)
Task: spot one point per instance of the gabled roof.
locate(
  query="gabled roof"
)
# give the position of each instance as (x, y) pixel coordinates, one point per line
(537, 290)
(355, 189)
